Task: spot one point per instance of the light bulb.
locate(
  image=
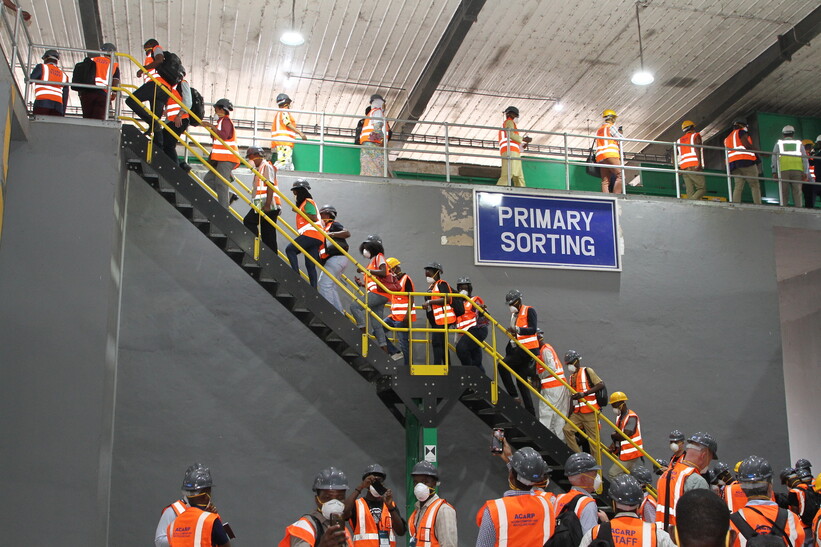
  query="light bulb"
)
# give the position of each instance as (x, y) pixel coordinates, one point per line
(292, 38)
(558, 107)
(642, 77)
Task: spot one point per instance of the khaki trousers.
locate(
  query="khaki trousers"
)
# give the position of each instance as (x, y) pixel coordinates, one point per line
(694, 183)
(792, 179)
(609, 174)
(514, 165)
(740, 176)
(588, 423)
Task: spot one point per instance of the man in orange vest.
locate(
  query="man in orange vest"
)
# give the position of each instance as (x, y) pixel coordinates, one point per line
(199, 525)
(440, 312)
(150, 91)
(522, 330)
(583, 473)
(628, 423)
(315, 528)
(433, 521)
(676, 446)
(50, 98)
(742, 162)
(95, 101)
(608, 151)
(511, 145)
(402, 313)
(691, 160)
(586, 383)
(375, 519)
(176, 117)
(175, 509)
(702, 520)
(473, 321)
(524, 516)
(223, 156)
(374, 132)
(264, 198)
(684, 476)
(283, 134)
(551, 386)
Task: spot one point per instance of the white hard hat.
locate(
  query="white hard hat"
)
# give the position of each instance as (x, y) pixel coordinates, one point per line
(818, 138)
(788, 129)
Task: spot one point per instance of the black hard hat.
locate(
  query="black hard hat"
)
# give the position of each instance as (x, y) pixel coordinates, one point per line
(377, 96)
(662, 462)
(626, 490)
(225, 104)
(282, 99)
(512, 296)
(108, 46)
(330, 478)
(740, 121)
(803, 473)
(803, 464)
(754, 469)
(642, 474)
(721, 467)
(301, 183)
(786, 473)
(425, 468)
(374, 469)
(51, 54)
(330, 209)
(676, 436)
(373, 238)
(529, 466)
(197, 477)
(253, 151)
(579, 463)
(463, 281)
(572, 356)
(434, 266)
(512, 109)
(705, 439)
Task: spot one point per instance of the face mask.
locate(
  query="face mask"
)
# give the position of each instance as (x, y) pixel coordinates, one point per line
(378, 103)
(674, 447)
(513, 309)
(332, 506)
(422, 492)
(616, 411)
(597, 482)
(464, 291)
(366, 253)
(374, 493)
(571, 368)
(430, 280)
(516, 119)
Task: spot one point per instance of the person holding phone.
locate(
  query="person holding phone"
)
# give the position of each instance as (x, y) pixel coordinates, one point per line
(374, 518)
(200, 519)
(325, 525)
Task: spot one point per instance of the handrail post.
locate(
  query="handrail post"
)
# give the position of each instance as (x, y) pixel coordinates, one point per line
(566, 163)
(254, 135)
(494, 392)
(675, 168)
(729, 178)
(322, 142)
(384, 147)
(509, 175)
(26, 72)
(624, 171)
(109, 86)
(447, 154)
(17, 18)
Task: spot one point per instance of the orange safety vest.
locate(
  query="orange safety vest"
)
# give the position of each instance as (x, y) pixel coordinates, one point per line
(507, 144)
(689, 155)
(581, 384)
(304, 530)
(570, 497)
(469, 318)
(627, 451)
(192, 528)
(530, 341)
(762, 523)
(816, 529)
(676, 458)
(178, 506)
(800, 492)
(521, 520)
(103, 68)
(221, 152)
(370, 282)
(149, 58)
(648, 500)
(399, 302)
(606, 147)
(631, 530)
(812, 173)
(366, 530)
(734, 497)
(367, 128)
(426, 536)
(50, 92)
(260, 188)
(173, 108)
(673, 481)
(736, 149)
(305, 228)
(281, 134)
(549, 381)
(442, 312)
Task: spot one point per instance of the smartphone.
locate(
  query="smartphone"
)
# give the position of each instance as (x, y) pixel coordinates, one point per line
(496, 444)
(228, 531)
(379, 487)
(336, 519)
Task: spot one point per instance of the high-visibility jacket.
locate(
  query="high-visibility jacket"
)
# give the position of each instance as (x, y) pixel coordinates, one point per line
(149, 58)
(606, 147)
(581, 383)
(549, 381)
(530, 341)
(521, 520)
(763, 523)
(400, 302)
(670, 488)
(178, 506)
(368, 129)
(631, 530)
(173, 108)
(370, 280)
(366, 530)
(442, 313)
(305, 228)
(507, 144)
(790, 153)
(675, 458)
(800, 492)
(627, 451)
(570, 497)
(736, 149)
(192, 528)
(469, 318)
(425, 534)
(812, 172)
(816, 529)
(648, 501)
(734, 496)
(269, 171)
(305, 530)
(689, 155)
(281, 134)
(50, 92)
(221, 152)
(104, 69)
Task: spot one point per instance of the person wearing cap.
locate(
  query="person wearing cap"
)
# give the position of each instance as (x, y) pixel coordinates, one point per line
(176, 117)
(551, 386)
(283, 134)
(264, 198)
(702, 520)
(375, 519)
(95, 102)
(433, 521)
(524, 515)
(223, 156)
(691, 161)
(50, 98)
(583, 404)
(511, 145)
(686, 475)
(791, 166)
(150, 92)
(402, 313)
(474, 321)
(627, 526)
(310, 238)
(176, 508)
(743, 163)
(676, 446)
(375, 296)
(200, 518)
(608, 151)
(762, 515)
(522, 331)
(374, 131)
(582, 471)
(647, 509)
(315, 529)
(440, 311)
(627, 421)
(332, 258)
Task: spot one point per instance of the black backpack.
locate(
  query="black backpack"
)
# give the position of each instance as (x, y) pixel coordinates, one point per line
(602, 397)
(171, 69)
(754, 539)
(197, 106)
(812, 503)
(568, 530)
(85, 72)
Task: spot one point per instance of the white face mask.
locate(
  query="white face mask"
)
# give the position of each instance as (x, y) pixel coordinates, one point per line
(421, 491)
(516, 119)
(513, 309)
(366, 253)
(332, 506)
(674, 447)
(571, 368)
(464, 291)
(597, 482)
(374, 493)
(616, 411)
(430, 280)
(377, 103)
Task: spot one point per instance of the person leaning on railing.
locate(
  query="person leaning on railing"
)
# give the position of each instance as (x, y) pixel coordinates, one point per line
(50, 98)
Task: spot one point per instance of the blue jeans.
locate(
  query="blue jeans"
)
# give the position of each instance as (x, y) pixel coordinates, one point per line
(404, 338)
(468, 351)
(376, 302)
(327, 288)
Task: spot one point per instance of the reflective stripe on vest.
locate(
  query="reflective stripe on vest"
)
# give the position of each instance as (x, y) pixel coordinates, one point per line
(469, 318)
(627, 528)
(172, 107)
(532, 531)
(507, 144)
(688, 156)
(581, 385)
(530, 341)
(366, 530)
(148, 60)
(789, 155)
(220, 152)
(281, 134)
(736, 149)
(440, 313)
(367, 127)
(549, 381)
(399, 302)
(370, 284)
(793, 528)
(103, 67)
(261, 188)
(425, 536)
(50, 92)
(570, 497)
(179, 507)
(605, 146)
(627, 451)
(179, 532)
(680, 473)
(304, 227)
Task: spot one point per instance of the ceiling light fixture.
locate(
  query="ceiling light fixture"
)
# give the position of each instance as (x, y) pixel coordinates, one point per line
(292, 37)
(642, 77)
(558, 107)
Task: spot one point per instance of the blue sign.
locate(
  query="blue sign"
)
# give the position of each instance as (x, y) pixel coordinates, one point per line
(546, 232)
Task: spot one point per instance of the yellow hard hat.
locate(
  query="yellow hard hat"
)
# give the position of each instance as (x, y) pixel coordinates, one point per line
(807, 141)
(392, 262)
(737, 465)
(687, 123)
(617, 397)
(608, 113)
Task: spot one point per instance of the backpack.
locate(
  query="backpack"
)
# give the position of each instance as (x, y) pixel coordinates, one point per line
(171, 69)
(568, 530)
(589, 168)
(602, 397)
(754, 539)
(197, 106)
(812, 503)
(85, 72)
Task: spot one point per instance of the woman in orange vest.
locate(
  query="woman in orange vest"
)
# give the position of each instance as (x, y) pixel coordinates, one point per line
(511, 145)
(223, 156)
(264, 197)
(402, 313)
(440, 312)
(310, 238)
(628, 423)
(608, 150)
(50, 99)
(523, 329)
(332, 258)
(375, 297)
(473, 321)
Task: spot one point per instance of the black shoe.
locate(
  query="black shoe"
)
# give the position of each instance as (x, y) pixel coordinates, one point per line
(185, 167)
(233, 198)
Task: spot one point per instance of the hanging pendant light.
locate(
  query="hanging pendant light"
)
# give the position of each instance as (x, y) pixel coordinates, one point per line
(292, 37)
(642, 76)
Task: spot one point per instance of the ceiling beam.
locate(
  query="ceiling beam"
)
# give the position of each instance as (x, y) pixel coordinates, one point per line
(419, 96)
(739, 84)
(90, 19)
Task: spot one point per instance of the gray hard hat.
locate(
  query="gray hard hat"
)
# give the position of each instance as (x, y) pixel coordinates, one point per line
(663, 463)
(754, 469)
(253, 151)
(51, 54)
(803, 473)
(788, 130)
(721, 467)
(512, 109)
(512, 296)
(626, 490)
(676, 436)
(740, 121)
(579, 463)
(373, 238)
(803, 463)
(374, 469)
(301, 183)
(108, 46)
(786, 473)
(377, 96)
(642, 474)
(330, 478)
(529, 466)
(330, 209)
(282, 98)
(225, 104)
(425, 468)
(463, 281)
(434, 266)
(197, 477)
(572, 356)
(705, 439)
